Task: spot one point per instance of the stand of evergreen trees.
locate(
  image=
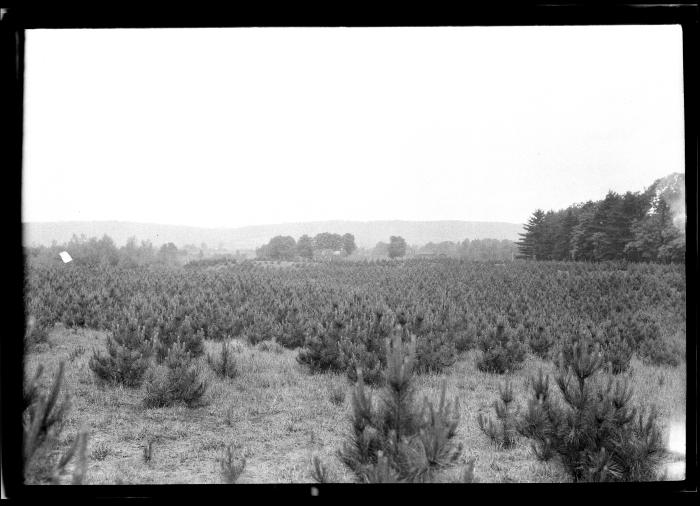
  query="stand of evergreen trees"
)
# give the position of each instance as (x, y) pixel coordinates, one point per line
(635, 226)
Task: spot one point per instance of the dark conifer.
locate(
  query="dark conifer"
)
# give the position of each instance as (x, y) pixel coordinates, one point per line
(394, 440)
(595, 432)
(127, 357)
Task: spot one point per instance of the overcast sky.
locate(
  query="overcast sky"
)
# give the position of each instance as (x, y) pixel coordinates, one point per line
(235, 127)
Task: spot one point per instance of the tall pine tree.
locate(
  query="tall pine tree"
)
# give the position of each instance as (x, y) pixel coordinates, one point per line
(531, 240)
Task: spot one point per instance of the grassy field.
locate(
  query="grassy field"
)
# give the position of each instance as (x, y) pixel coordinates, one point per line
(278, 416)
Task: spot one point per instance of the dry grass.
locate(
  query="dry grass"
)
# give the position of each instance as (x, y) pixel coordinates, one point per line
(278, 416)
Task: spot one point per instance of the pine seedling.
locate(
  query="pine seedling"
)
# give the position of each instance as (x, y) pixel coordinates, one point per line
(541, 342)
(381, 471)
(231, 468)
(320, 472)
(394, 440)
(43, 419)
(536, 423)
(43, 415)
(438, 430)
(148, 452)
(224, 365)
(503, 431)
(127, 357)
(595, 431)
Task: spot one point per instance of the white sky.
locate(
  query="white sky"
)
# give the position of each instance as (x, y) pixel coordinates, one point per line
(235, 127)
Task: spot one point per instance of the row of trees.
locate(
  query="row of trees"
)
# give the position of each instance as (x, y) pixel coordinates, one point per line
(635, 226)
(477, 249)
(104, 251)
(395, 248)
(286, 248)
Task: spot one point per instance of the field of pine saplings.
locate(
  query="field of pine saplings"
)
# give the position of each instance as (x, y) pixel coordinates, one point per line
(422, 370)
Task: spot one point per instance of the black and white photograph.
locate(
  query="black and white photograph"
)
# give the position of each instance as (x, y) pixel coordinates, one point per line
(354, 254)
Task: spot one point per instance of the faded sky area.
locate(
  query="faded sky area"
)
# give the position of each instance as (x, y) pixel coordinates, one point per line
(235, 127)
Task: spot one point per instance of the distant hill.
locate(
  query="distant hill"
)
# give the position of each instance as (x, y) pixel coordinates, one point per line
(367, 234)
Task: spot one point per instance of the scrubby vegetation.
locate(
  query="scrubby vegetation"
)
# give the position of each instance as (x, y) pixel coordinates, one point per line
(177, 338)
(127, 357)
(178, 380)
(339, 314)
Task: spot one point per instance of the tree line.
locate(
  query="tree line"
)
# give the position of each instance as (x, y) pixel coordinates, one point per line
(475, 249)
(635, 226)
(95, 252)
(286, 248)
(328, 244)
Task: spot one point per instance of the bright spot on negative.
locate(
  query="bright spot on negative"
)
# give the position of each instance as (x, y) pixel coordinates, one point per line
(676, 438)
(65, 257)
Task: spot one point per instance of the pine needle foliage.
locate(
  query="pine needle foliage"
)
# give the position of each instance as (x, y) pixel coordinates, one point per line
(127, 357)
(178, 380)
(541, 342)
(230, 466)
(504, 431)
(320, 472)
(502, 351)
(43, 418)
(616, 349)
(223, 364)
(594, 431)
(394, 439)
(178, 329)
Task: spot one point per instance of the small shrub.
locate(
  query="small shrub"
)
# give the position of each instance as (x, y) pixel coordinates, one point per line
(595, 432)
(503, 432)
(270, 346)
(178, 381)
(502, 351)
(100, 452)
(224, 364)
(321, 349)
(659, 352)
(541, 342)
(127, 357)
(178, 330)
(337, 395)
(465, 339)
(231, 467)
(435, 352)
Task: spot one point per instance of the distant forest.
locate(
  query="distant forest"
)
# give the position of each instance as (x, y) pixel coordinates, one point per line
(328, 245)
(640, 226)
(104, 251)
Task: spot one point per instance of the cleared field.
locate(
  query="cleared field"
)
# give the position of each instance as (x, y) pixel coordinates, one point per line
(278, 416)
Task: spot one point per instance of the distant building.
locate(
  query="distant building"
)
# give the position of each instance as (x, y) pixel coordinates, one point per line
(327, 254)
